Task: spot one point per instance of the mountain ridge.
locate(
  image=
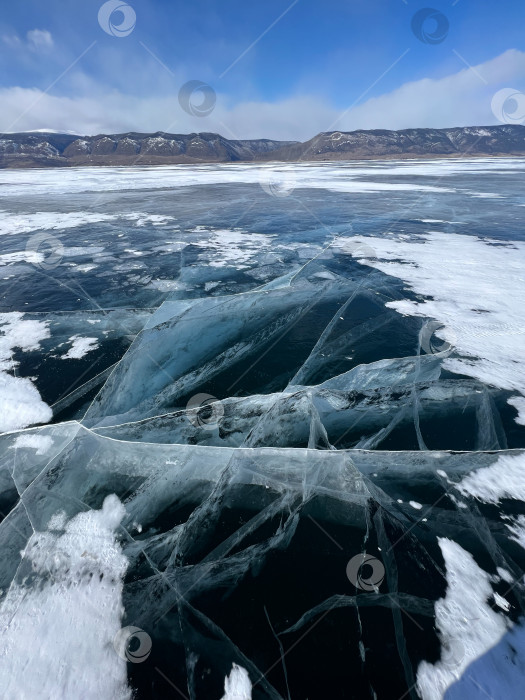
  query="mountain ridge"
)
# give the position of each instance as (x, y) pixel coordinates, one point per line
(52, 149)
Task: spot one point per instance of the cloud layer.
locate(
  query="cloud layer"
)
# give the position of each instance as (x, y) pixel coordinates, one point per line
(460, 99)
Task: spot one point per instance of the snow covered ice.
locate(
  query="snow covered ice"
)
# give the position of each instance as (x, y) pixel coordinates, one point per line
(216, 392)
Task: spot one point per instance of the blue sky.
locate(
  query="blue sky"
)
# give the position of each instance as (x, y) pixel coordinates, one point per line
(322, 66)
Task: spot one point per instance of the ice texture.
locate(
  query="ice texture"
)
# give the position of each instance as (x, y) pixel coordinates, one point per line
(215, 403)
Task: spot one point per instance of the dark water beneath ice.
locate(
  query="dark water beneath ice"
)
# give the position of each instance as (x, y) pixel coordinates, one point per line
(359, 341)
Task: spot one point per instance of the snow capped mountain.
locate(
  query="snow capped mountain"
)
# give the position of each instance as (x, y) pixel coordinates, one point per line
(380, 143)
(49, 148)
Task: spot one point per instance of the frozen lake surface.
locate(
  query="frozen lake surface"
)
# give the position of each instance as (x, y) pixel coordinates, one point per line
(280, 442)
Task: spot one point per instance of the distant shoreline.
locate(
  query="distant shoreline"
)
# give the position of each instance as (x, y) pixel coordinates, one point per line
(258, 162)
(22, 151)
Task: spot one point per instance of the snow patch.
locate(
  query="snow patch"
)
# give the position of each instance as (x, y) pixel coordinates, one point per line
(47, 221)
(35, 441)
(237, 685)
(475, 288)
(20, 402)
(503, 479)
(80, 347)
(467, 625)
(236, 248)
(73, 615)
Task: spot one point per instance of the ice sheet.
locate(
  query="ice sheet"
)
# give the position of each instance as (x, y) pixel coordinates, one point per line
(291, 383)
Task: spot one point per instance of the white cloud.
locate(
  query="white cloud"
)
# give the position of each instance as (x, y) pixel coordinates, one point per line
(40, 39)
(24, 110)
(460, 99)
(463, 98)
(36, 40)
(12, 40)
